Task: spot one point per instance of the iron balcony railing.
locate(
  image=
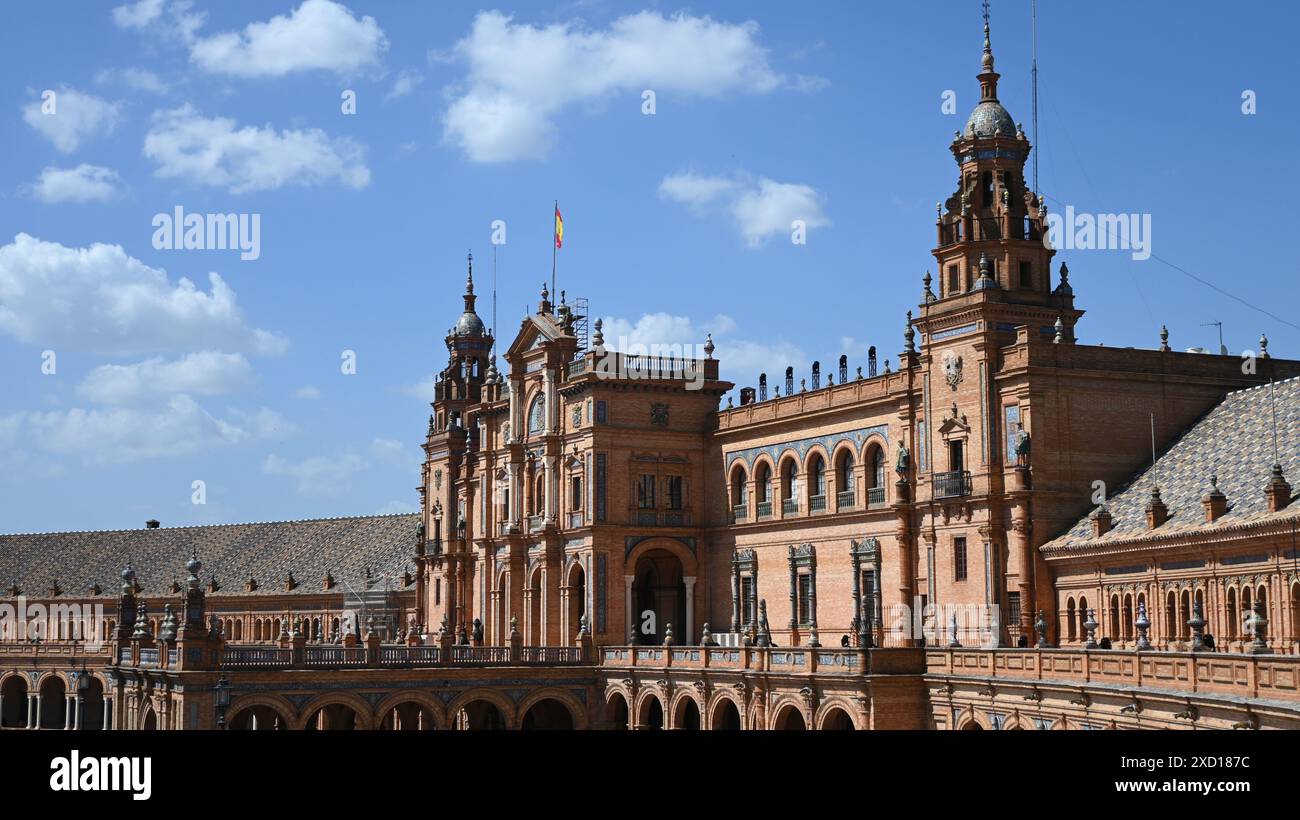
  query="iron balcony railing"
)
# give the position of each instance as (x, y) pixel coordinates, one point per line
(740, 512)
(876, 497)
(790, 506)
(952, 484)
(763, 509)
(816, 503)
(846, 499)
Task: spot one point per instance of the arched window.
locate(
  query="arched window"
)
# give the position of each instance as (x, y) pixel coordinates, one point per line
(789, 486)
(816, 476)
(739, 487)
(537, 415)
(1128, 617)
(844, 483)
(763, 482)
(1115, 627)
(1083, 617)
(1069, 618)
(1171, 616)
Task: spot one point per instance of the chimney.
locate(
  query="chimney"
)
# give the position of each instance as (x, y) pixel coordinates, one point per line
(152, 524)
(1157, 512)
(1101, 521)
(1214, 501)
(1278, 490)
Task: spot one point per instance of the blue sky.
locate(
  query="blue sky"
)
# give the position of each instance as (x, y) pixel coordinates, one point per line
(676, 222)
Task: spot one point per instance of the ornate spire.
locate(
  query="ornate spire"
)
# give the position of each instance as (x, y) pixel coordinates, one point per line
(988, 77)
(469, 283)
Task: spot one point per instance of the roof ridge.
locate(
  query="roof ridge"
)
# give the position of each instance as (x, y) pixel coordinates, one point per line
(211, 526)
(1263, 385)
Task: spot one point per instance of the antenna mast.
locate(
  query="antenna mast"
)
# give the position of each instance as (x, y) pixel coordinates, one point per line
(1033, 6)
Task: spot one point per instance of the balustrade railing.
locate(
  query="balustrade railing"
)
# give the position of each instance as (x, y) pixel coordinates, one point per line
(790, 506)
(763, 509)
(846, 499)
(816, 503)
(952, 484)
(876, 497)
(740, 513)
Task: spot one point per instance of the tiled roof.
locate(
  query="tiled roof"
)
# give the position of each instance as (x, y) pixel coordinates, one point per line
(1233, 442)
(268, 552)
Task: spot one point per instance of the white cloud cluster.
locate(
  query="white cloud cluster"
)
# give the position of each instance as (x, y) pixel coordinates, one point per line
(406, 82)
(123, 434)
(320, 476)
(101, 299)
(760, 208)
(741, 359)
(71, 117)
(213, 151)
(84, 183)
(139, 14)
(318, 35)
(520, 76)
(205, 373)
(139, 79)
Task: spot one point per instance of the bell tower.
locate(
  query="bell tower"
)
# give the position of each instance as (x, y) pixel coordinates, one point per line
(991, 229)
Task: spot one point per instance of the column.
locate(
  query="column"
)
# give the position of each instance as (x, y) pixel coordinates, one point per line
(76, 719)
(735, 597)
(552, 488)
(687, 638)
(108, 708)
(68, 699)
(32, 710)
(629, 615)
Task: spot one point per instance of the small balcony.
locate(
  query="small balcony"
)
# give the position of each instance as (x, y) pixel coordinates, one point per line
(952, 484)
(790, 506)
(763, 509)
(740, 513)
(876, 497)
(846, 499)
(816, 503)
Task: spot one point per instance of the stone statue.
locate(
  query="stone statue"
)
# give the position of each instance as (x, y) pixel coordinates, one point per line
(903, 460)
(1022, 448)
(478, 631)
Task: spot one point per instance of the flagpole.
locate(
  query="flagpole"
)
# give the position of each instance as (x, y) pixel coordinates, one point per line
(553, 249)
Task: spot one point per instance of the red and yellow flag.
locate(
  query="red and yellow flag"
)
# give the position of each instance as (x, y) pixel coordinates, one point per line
(559, 227)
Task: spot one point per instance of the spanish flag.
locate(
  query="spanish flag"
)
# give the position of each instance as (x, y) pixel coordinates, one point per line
(559, 227)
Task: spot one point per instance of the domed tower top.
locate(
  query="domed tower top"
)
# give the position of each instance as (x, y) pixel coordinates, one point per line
(469, 323)
(989, 117)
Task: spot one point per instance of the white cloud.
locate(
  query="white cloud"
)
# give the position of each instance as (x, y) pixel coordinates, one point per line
(397, 453)
(212, 151)
(138, 14)
(740, 359)
(405, 83)
(319, 475)
(85, 183)
(123, 434)
(423, 390)
(759, 208)
(319, 34)
(520, 76)
(137, 78)
(74, 116)
(103, 300)
(307, 393)
(397, 508)
(207, 373)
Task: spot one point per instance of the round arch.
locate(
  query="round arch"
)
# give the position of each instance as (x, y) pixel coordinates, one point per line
(647, 714)
(617, 716)
(725, 710)
(970, 720)
(813, 451)
(426, 701)
(280, 707)
(679, 709)
(504, 707)
(577, 710)
(836, 715)
(690, 565)
(359, 707)
(787, 715)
